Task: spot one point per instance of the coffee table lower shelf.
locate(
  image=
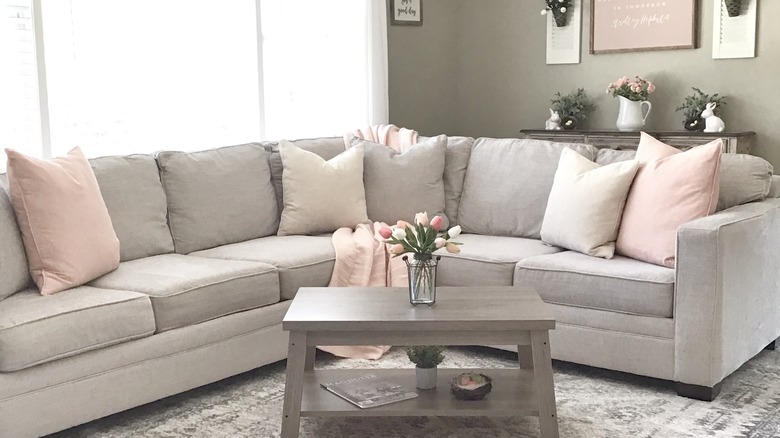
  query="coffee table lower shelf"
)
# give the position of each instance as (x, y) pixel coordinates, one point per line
(513, 394)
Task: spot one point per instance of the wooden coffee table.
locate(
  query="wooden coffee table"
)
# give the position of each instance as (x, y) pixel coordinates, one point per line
(383, 316)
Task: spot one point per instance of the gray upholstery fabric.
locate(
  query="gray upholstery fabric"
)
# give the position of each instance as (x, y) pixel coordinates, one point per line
(620, 284)
(743, 178)
(774, 189)
(218, 196)
(486, 260)
(457, 159)
(99, 383)
(400, 185)
(14, 275)
(135, 199)
(187, 290)
(300, 260)
(608, 156)
(36, 329)
(507, 184)
(727, 290)
(325, 147)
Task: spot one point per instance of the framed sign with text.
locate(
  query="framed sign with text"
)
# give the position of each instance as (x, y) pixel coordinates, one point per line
(632, 25)
(407, 12)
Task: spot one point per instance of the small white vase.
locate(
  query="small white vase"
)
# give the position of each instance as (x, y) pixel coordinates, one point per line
(630, 117)
(426, 378)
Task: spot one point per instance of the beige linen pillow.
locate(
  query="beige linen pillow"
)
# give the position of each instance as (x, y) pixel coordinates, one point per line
(586, 203)
(321, 196)
(66, 228)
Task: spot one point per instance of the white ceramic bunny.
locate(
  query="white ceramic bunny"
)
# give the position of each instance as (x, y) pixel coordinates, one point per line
(713, 122)
(554, 122)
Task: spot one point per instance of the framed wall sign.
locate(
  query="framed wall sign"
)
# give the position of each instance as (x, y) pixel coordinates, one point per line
(407, 12)
(630, 25)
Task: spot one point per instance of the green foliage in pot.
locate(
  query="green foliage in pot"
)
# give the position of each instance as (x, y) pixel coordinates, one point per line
(575, 104)
(696, 102)
(425, 356)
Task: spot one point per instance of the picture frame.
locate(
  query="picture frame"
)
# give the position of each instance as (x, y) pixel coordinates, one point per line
(630, 26)
(406, 12)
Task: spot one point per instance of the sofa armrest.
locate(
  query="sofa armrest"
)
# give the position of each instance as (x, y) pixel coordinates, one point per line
(727, 293)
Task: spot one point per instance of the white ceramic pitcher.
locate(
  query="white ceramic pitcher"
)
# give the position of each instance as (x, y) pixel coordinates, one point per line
(630, 117)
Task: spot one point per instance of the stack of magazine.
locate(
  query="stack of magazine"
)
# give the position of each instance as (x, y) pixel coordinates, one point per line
(369, 391)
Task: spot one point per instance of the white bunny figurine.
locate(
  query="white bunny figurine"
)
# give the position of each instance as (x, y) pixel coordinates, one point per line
(554, 122)
(713, 122)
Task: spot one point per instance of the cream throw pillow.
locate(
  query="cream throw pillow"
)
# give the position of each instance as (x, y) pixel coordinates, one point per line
(586, 203)
(321, 196)
(65, 225)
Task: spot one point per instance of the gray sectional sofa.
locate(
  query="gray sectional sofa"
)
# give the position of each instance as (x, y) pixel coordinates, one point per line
(205, 281)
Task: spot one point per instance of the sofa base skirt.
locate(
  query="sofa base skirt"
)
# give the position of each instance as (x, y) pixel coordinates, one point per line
(620, 351)
(77, 401)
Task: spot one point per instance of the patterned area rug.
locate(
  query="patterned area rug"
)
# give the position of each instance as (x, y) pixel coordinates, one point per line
(592, 403)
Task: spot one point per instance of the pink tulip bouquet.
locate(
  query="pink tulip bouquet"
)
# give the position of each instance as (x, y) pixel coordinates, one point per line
(423, 237)
(421, 240)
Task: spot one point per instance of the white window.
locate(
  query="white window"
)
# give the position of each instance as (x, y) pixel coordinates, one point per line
(20, 126)
(136, 76)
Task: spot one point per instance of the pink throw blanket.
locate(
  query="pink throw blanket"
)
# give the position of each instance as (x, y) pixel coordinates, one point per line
(400, 139)
(362, 258)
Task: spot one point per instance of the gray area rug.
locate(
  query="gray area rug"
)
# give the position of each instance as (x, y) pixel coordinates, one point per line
(591, 403)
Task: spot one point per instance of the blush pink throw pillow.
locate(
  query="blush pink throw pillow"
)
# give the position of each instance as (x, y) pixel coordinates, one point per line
(66, 229)
(670, 189)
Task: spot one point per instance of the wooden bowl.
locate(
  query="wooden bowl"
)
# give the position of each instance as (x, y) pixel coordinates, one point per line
(478, 393)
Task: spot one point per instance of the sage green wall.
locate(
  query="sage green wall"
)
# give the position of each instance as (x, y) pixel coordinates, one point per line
(423, 70)
(504, 84)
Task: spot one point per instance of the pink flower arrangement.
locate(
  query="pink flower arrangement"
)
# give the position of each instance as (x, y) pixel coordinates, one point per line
(632, 89)
(423, 237)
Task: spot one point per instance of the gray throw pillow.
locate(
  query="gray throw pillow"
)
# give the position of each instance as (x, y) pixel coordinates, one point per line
(14, 275)
(399, 185)
(218, 196)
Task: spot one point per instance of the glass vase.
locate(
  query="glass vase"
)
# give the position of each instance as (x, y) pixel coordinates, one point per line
(422, 278)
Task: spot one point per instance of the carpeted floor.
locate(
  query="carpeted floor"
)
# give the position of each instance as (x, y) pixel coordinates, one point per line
(591, 403)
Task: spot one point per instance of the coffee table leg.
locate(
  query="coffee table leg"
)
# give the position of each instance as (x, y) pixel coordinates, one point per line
(293, 386)
(524, 358)
(545, 387)
(309, 363)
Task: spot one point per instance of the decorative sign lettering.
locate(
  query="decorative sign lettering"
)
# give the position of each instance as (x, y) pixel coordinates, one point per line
(633, 25)
(406, 12)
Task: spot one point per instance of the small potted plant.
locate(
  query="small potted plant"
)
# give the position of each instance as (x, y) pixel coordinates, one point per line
(693, 106)
(733, 7)
(573, 108)
(559, 9)
(426, 358)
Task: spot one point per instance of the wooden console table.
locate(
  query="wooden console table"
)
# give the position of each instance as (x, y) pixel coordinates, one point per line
(733, 142)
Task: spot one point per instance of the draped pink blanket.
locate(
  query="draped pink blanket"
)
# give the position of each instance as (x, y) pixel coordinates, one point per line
(391, 136)
(362, 258)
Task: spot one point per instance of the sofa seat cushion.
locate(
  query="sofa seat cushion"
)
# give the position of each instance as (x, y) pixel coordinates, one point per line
(620, 284)
(186, 290)
(36, 329)
(487, 260)
(302, 261)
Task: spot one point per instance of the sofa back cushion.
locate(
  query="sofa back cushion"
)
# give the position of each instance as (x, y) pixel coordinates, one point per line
(743, 178)
(455, 165)
(507, 185)
(218, 196)
(13, 262)
(135, 199)
(399, 185)
(325, 147)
